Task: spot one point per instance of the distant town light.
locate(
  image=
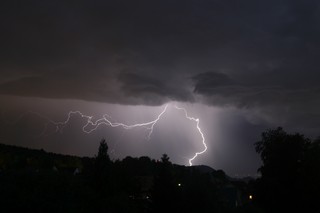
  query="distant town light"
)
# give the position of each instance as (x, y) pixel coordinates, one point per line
(250, 197)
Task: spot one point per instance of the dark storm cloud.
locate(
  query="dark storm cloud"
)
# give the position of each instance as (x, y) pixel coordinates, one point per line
(297, 104)
(206, 82)
(222, 89)
(136, 85)
(263, 54)
(55, 86)
(157, 91)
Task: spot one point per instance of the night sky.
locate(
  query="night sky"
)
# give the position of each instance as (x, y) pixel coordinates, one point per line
(241, 67)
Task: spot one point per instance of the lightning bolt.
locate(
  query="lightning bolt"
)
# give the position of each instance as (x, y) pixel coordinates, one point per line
(199, 130)
(91, 125)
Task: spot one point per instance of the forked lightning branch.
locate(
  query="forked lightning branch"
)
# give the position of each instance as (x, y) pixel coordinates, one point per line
(90, 125)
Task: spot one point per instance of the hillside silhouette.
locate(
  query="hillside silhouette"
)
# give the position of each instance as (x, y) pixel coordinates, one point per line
(39, 181)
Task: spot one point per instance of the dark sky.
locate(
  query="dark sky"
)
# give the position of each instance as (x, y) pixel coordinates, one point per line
(241, 67)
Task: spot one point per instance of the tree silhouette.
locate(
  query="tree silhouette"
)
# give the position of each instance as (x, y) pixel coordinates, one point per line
(165, 160)
(289, 161)
(310, 176)
(103, 156)
(281, 153)
(102, 165)
(164, 188)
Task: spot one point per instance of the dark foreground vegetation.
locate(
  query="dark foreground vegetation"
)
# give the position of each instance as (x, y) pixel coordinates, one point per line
(37, 181)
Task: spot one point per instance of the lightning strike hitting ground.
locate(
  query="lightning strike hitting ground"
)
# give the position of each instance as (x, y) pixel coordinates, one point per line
(202, 136)
(91, 126)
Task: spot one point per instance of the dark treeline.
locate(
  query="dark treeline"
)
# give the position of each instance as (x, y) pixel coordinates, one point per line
(37, 181)
(290, 174)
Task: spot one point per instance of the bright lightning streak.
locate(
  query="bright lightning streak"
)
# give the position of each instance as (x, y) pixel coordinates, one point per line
(105, 121)
(202, 136)
(102, 121)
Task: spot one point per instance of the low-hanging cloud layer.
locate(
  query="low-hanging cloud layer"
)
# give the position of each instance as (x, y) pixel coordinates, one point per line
(259, 56)
(128, 52)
